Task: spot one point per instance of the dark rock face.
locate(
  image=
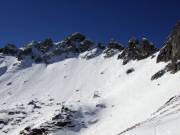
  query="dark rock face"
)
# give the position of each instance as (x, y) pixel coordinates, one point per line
(26, 51)
(9, 49)
(85, 45)
(76, 43)
(35, 131)
(112, 48)
(4, 122)
(137, 50)
(171, 49)
(173, 67)
(45, 45)
(115, 45)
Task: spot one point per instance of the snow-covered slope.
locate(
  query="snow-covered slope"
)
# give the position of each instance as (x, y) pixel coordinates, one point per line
(123, 99)
(94, 92)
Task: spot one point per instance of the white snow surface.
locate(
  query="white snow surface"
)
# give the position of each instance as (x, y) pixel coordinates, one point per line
(128, 98)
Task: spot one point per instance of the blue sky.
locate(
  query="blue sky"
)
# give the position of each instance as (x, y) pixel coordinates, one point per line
(25, 20)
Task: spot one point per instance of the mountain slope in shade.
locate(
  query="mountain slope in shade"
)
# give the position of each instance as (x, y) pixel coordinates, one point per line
(78, 87)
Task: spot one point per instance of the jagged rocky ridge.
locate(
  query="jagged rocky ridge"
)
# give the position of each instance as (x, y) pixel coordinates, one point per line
(76, 44)
(45, 50)
(72, 46)
(48, 52)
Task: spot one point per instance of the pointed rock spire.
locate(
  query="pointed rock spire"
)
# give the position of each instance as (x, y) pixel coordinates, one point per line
(171, 49)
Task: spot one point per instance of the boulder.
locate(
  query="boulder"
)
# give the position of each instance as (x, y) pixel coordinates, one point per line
(130, 71)
(158, 74)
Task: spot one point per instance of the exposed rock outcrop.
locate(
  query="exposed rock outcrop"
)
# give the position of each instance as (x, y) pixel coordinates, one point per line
(76, 44)
(46, 50)
(130, 70)
(158, 74)
(65, 119)
(77, 37)
(171, 49)
(85, 45)
(9, 49)
(137, 50)
(170, 52)
(112, 48)
(172, 67)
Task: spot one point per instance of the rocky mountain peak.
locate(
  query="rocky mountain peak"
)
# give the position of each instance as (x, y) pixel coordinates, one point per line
(171, 49)
(77, 36)
(77, 43)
